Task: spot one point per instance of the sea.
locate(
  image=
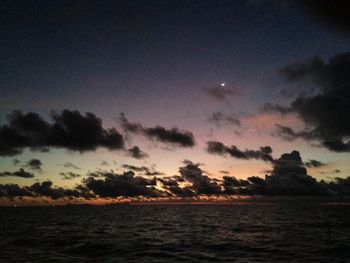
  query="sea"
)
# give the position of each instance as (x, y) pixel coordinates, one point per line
(269, 232)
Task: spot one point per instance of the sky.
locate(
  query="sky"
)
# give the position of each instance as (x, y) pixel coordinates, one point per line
(158, 87)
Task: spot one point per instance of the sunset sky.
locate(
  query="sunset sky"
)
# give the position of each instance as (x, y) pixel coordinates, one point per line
(171, 77)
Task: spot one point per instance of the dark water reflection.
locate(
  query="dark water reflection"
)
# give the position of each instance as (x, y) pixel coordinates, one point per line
(176, 233)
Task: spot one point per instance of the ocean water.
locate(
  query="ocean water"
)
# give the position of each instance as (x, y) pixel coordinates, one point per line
(283, 232)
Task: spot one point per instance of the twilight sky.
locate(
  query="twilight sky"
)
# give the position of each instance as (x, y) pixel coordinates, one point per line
(196, 83)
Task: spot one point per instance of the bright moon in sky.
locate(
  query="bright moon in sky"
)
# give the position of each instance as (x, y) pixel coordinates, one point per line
(223, 84)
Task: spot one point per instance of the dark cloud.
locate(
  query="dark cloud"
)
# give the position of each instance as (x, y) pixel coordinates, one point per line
(46, 189)
(20, 173)
(170, 181)
(69, 130)
(288, 163)
(34, 164)
(142, 169)
(135, 168)
(181, 191)
(215, 147)
(70, 165)
(335, 171)
(231, 181)
(126, 184)
(289, 177)
(13, 190)
(171, 184)
(201, 184)
(136, 153)
(69, 175)
(325, 113)
(186, 162)
(314, 163)
(333, 13)
(289, 134)
(232, 185)
(219, 119)
(220, 93)
(153, 173)
(276, 109)
(339, 186)
(172, 136)
(256, 180)
(224, 172)
(96, 174)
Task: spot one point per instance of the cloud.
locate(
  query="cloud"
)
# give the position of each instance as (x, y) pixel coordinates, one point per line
(70, 165)
(219, 118)
(46, 189)
(288, 163)
(96, 174)
(153, 173)
(13, 190)
(335, 14)
(20, 173)
(135, 168)
(171, 184)
(69, 175)
(34, 164)
(136, 153)
(325, 112)
(335, 171)
(142, 169)
(186, 162)
(256, 180)
(220, 93)
(172, 136)
(314, 163)
(289, 134)
(232, 185)
(170, 181)
(68, 129)
(215, 147)
(339, 186)
(201, 184)
(231, 181)
(289, 177)
(276, 109)
(126, 184)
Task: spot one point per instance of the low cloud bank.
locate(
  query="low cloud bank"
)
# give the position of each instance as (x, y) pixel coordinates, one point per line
(288, 177)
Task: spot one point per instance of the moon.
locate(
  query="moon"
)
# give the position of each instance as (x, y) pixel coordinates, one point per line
(222, 84)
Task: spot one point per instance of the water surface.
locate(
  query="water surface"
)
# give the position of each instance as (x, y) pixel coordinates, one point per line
(176, 233)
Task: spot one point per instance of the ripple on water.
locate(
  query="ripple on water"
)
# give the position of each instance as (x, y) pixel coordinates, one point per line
(167, 233)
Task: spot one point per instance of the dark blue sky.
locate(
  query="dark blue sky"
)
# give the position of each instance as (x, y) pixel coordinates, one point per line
(67, 53)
